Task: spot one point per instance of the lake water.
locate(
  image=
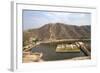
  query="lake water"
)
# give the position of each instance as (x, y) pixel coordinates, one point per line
(50, 54)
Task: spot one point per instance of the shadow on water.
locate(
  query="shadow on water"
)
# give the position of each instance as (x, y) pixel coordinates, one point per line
(50, 54)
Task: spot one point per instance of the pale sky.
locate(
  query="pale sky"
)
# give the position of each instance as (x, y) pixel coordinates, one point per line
(35, 19)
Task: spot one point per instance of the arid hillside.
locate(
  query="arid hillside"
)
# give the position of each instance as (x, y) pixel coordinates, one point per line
(58, 31)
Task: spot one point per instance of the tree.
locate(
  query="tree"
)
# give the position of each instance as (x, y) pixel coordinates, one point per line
(34, 40)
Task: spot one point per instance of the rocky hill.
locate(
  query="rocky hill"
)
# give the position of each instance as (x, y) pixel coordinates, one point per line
(58, 31)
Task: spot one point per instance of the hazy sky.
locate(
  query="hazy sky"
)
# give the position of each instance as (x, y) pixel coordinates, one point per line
(35, 19)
